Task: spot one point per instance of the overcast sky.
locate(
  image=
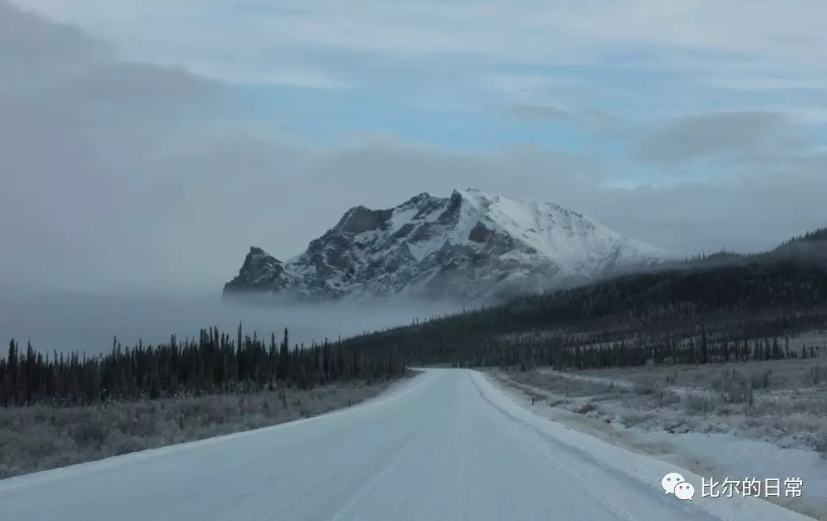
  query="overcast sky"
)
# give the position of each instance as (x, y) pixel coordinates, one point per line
(149, 144)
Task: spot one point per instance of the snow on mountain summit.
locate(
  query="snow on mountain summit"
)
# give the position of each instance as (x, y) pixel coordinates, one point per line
(468, 246)
(557, 233)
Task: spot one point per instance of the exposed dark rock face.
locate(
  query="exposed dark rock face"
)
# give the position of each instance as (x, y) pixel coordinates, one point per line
(478, 233)
(469, 246)
(260, 272)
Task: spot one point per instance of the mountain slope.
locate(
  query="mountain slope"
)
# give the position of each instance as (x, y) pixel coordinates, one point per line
(471, 245)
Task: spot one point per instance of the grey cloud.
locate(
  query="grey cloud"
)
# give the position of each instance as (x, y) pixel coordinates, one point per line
(133, 193)
(751, 214)
(33, 50)
(601, 119)
(529, 112)
(593, 120)
(142, 86)
(714, 135)
(770, 36)
(26, 37)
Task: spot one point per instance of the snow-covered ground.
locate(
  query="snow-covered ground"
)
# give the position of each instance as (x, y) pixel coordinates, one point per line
(447, 445)
(624, 407)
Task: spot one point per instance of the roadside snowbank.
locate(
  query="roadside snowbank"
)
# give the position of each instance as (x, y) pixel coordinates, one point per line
(706, 455)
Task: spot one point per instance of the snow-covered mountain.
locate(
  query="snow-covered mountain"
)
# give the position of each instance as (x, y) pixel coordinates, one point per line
(470, 246)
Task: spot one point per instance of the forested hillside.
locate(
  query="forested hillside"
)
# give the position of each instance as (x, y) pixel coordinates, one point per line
(721, 313)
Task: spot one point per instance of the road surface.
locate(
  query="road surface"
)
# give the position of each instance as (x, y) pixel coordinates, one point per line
(446, 445)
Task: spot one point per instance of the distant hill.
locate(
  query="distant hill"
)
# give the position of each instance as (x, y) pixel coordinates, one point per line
(810, 248)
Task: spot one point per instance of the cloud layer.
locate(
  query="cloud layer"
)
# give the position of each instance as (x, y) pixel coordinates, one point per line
(715, 134)
(773, 34)
(129, 174)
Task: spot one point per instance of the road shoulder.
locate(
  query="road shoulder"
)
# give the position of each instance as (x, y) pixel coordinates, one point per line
(715, 455)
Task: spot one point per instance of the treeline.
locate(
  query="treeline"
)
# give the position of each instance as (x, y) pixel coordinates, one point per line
(213, 363)
(570, 352)
(819, 234)
(810, 248)
(657, 317)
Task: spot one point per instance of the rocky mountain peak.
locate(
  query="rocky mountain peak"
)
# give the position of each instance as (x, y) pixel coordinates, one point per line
(469, 245)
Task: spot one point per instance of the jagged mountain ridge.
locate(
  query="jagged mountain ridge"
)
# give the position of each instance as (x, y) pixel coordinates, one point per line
(469, 246)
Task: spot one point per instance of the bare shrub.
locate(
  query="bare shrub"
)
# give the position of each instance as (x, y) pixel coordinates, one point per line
(815, 376)
(646, 387)
(43, 437)
(698, 403)
(586, 408)
(633, 419)
(820, 443)
(666, 397)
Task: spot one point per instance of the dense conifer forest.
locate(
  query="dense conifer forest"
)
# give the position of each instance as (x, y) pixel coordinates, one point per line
(735, 312)
(213, 363)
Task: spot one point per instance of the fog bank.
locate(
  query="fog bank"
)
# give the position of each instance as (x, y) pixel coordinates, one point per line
(88, 323)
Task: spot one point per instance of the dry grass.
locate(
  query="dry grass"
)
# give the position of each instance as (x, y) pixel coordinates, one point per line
(781, 374)
(43, 437)
(783, 401)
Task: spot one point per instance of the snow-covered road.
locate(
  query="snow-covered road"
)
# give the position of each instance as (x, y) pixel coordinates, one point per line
(447, 445)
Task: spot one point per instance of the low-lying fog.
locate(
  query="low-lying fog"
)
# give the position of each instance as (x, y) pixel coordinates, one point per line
(88, 323)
